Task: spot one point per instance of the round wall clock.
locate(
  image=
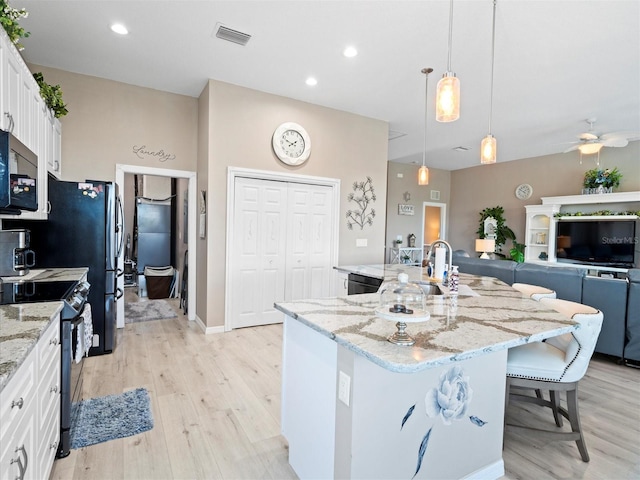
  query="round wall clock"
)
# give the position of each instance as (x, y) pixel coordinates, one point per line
(524, 191)
(291, 143)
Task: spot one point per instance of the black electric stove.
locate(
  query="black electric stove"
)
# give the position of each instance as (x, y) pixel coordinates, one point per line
(72, 293)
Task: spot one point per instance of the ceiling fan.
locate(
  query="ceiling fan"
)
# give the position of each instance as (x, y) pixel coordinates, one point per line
(589, 143)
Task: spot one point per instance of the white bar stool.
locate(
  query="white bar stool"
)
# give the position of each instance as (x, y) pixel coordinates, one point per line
(534, 292)
(557, 365)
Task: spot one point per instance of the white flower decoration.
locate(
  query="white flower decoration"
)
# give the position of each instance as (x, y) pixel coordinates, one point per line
(451, 399)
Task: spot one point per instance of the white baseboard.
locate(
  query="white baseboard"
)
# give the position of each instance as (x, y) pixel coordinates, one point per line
(493, 471)
(208, 330)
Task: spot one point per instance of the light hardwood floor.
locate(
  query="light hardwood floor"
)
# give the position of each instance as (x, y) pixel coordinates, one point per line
(216, 407)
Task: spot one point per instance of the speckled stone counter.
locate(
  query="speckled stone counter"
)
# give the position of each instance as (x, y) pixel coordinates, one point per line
(357, 406)
(487, 315)
(21, 325)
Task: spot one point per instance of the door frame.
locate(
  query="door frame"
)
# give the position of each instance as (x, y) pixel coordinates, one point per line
(191, 229)
(235, 172)
(443, 219)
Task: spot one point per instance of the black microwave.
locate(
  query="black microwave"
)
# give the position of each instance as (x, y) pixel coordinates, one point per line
(18, 176)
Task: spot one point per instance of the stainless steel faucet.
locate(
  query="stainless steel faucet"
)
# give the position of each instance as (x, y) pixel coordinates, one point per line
(450, 252)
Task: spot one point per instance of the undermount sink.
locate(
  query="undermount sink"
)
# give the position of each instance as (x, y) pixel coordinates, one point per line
(430, 288)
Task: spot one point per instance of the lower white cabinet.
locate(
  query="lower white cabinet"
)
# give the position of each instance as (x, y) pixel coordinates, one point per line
(30, 412)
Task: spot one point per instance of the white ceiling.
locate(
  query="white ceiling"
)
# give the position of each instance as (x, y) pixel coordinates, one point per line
(557, 63)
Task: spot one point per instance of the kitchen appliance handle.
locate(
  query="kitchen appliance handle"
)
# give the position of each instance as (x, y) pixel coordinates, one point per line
(29, 263)
(120, 226)
(119, 293)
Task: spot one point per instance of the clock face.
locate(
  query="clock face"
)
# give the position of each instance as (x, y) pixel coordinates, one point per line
(524, 191)
(291, 144)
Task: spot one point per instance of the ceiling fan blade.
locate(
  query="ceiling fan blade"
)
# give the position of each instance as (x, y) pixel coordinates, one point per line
(575, 147)
(615, 142)
(631, 136)
(587, 136)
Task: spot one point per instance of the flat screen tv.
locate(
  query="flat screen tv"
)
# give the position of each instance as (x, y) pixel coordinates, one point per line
(609, 243)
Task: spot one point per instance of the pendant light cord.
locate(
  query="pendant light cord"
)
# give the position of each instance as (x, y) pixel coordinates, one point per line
(493, 50)
(426, 71)
(450, 34)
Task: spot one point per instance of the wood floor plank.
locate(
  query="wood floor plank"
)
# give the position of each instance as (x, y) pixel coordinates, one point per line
(216, 406)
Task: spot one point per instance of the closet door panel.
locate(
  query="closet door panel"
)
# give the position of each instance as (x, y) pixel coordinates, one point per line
(257, 253)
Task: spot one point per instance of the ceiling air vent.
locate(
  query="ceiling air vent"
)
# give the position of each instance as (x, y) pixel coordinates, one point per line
(231, 35)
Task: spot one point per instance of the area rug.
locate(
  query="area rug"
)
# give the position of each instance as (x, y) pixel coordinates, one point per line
(100, 419)
(147, 310)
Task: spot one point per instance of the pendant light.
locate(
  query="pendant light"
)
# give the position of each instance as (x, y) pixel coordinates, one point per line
(448, 90)
(423, 173)
(489, 145)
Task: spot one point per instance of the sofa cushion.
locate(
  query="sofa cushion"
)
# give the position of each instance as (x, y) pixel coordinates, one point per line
(566, 281)
(500, 269)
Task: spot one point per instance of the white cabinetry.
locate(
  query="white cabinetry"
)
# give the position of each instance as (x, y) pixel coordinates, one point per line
(24, 113)
(52, 141)
(30, 411)
(540, 233)
(541, 220)
(406, 255)
(342, 284)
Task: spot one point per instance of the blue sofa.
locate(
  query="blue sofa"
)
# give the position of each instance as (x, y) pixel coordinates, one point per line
(617, 298)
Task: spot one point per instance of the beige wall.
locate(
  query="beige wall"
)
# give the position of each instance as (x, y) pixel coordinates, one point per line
(473, 189)
(107, 120)
(439, 181)
(344, 146)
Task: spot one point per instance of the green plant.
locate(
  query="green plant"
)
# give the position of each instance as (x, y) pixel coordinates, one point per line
(502, 232)
(517, 252)
(597, 177)
(52, 96)
(9, 17)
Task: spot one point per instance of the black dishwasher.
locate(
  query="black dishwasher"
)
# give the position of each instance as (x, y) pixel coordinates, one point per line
(362, 284)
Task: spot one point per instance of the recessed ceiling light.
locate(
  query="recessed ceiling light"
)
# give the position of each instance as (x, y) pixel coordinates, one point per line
(312, 82)
(350, 52)
(119, 29)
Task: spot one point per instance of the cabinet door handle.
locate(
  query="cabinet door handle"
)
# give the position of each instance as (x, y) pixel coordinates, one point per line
(56, 165)
(48, 207)
(21, 467)
(54, 342)
(53, 446)
(18, 404)
(54, 389)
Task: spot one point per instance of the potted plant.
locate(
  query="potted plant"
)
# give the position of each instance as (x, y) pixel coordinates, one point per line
(502, 232)
(52, 96)
(600, 179)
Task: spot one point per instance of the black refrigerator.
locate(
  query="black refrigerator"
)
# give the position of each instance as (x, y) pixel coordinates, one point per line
(84, 229)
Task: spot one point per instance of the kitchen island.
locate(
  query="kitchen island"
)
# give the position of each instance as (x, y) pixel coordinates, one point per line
(357, 406)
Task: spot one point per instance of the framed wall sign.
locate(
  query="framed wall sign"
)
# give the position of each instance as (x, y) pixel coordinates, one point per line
(405, 209)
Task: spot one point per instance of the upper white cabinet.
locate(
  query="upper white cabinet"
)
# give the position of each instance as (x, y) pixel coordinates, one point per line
(24, 113)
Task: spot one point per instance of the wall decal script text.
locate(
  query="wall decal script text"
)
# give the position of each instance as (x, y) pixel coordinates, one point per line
(142, 152)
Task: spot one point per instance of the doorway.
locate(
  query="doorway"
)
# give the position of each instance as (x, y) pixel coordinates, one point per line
(282, 242)
(190, 176)
(434, 217)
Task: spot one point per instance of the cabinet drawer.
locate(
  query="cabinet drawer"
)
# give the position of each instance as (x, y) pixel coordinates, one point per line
(49, 344)
(49, 439)
(49, 392)
(17, 449)
(19, 395)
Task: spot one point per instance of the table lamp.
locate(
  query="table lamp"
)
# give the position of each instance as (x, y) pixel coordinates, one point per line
(485, 245)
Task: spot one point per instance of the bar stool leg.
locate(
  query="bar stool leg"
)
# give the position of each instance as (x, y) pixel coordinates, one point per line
(574, 419)
(555, 405)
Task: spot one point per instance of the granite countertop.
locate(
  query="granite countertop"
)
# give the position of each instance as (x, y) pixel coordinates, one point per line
(21, 325)
(487, 315)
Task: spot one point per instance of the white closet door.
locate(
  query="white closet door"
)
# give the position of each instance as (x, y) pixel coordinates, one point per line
(309, 230)
(258, 252)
